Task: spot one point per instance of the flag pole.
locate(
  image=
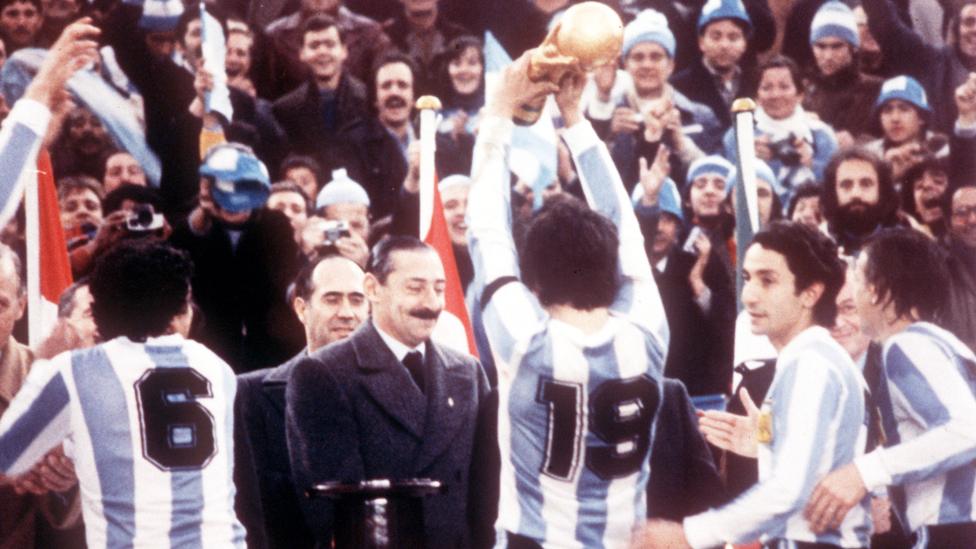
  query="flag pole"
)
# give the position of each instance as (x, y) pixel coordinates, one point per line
(428, 105)
(32, 235)
(746, 199)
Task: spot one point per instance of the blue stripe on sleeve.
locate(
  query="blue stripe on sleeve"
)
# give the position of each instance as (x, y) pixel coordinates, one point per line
(104, 409)
(910, 381)
(13, 157)
(957, 496)
(49, 403)
(600, 183)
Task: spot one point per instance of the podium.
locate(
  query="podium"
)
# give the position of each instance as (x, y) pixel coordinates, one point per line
(378, 514)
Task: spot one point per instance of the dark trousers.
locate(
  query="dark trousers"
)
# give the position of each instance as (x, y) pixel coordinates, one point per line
(948, 536)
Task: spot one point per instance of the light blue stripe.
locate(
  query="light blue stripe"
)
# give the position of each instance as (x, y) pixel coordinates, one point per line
(48, 404)
(186, 485)
(13, 158)
(913, 384)
(957, 496)
(591, 492)
(535, 366)
(600, 183)
(103, 406)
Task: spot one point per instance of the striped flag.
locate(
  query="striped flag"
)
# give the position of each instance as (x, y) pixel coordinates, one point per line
(454, 325)
(48, 267)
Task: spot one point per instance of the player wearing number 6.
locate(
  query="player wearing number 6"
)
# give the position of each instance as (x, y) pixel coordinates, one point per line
(579, 340)
(149, 412)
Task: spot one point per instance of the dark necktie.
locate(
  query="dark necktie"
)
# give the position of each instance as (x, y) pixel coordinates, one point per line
(414, 362)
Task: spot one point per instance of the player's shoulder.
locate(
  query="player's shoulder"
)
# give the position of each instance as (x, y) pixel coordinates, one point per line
(912, 345)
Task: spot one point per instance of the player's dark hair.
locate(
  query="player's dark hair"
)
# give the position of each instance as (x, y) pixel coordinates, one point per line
(381, 259)
(908, 270)
(570, 256)
(138, 286)
(812, 257)
(887, 197)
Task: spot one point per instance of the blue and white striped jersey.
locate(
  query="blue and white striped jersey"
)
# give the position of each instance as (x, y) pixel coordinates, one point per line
(577, 411)
(816, 403)
(20, 139)
(152, 432)
(927, 399)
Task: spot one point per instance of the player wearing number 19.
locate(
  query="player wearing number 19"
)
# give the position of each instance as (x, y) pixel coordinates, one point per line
(150, 412)
(579, 341)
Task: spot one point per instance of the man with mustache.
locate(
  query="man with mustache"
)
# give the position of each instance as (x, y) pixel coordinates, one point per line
(83, 146)
(858, 198)
(960, 242)
(330, 301)
(20, 23)
(388, 402)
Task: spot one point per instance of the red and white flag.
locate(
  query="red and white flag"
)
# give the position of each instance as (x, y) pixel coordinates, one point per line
(48, 267)
(454, 326)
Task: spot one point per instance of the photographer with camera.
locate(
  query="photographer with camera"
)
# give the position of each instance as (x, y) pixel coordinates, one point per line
(244, 258)
(341, 224)
(795, 144)
(130, 211)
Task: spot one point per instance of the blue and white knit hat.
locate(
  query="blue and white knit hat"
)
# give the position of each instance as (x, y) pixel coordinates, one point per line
(669, 199)
(905, 88)
(341, 190)
(763, 173)
(648, 26)
(710, 164)
(160, 15)
(714, 10)
(835, 19)
(240, 180)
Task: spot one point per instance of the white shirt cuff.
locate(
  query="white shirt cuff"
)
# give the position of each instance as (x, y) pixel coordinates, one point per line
(497, 130)
(36, 116)
(872, 470)
(697, 531)
(580, 136)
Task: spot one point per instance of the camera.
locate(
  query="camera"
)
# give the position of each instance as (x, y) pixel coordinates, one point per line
(143, 220)
(689, 246)
(784, 151)
(334, 230)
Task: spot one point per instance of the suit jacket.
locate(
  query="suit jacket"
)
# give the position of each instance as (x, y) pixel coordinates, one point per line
(267, 502)
(353, 413)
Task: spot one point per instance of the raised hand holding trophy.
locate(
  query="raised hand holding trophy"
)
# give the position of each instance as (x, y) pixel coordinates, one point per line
(589, 35)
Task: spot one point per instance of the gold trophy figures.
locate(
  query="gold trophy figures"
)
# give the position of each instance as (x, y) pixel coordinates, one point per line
(589, 35)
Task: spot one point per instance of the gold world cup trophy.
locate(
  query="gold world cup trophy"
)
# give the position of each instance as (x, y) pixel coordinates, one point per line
(589, 35)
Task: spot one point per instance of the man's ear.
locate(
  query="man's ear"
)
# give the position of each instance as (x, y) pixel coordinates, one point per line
(811, 295)
(371, 287)
(21, 306)
(298, 305)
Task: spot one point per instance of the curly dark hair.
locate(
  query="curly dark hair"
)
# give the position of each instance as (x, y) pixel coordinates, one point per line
(138, 286)
(570, 256)
(812, 257)
(908, 270)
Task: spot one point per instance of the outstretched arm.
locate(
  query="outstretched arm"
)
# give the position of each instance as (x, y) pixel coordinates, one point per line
(509, 308)
(27, 122)
(605, 192)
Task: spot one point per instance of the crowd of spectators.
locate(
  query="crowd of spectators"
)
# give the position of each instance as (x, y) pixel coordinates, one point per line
(866, 119)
